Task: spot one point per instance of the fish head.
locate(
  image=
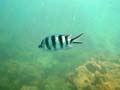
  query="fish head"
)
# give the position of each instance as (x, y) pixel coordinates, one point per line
(41, 44)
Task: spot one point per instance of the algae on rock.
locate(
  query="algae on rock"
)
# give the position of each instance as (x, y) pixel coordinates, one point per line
(96, 75)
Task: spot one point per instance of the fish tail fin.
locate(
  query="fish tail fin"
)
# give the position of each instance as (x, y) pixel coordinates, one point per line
(77, 42)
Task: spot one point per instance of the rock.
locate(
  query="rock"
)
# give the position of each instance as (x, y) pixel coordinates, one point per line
(93, 66)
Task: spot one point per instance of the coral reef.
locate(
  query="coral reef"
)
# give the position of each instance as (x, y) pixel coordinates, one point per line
(96, 75)
(29, 75)
(21, 76)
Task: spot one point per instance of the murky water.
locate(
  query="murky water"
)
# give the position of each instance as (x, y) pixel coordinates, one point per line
(23, 24)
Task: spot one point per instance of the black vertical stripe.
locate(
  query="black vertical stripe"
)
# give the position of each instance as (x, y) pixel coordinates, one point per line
(61, 41)
(53, 41)
(47, 42)
(66, 40)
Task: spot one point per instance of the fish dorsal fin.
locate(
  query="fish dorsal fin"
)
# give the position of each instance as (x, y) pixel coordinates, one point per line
(67, 35)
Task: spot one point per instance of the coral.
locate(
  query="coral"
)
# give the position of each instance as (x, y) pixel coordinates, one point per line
(96, 75)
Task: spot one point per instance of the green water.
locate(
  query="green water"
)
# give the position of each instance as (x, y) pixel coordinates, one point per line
(23, 23)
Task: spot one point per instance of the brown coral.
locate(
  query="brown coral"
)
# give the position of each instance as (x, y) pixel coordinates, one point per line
(94, 75)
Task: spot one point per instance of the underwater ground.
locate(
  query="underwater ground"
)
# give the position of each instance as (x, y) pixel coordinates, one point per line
(93, 65)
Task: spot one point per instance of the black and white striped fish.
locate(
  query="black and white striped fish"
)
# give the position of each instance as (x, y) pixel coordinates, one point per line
(55, 42)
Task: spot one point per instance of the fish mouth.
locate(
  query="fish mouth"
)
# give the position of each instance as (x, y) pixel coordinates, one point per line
(39, 46)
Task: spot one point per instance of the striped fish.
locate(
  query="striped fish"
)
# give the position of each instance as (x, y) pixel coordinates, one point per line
(55, 42)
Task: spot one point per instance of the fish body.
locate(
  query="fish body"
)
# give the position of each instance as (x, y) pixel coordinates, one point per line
(56, 42)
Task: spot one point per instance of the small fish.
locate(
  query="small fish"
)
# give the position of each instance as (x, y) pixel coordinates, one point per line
(55, 42)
